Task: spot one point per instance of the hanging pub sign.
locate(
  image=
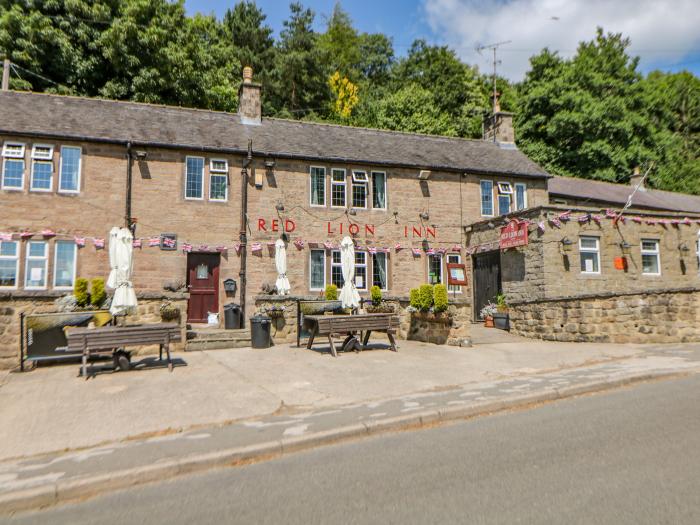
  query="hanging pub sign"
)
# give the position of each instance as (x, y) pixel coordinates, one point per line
(513, 234)
(456, 274)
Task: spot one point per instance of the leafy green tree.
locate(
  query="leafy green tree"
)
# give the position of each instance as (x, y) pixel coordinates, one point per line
(586, 116)
(412, 108)
(340, 44)
(252, 39)
(376, 57)
(299, 85)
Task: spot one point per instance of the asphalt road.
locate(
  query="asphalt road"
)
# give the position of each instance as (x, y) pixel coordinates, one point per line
(627, 456)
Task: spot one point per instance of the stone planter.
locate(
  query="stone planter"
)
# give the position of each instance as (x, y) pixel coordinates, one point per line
(430, 328)
(501, 320)
(380, 309)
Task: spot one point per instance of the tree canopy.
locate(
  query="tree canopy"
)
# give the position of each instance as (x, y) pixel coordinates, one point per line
(591, 115)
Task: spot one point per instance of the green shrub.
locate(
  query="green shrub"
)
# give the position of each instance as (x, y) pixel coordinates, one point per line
(501, 303)
(80, 290)
(331, 292)
(97, 291)
(415, 298)
(425, 297)
(376, 295)
(440, 297)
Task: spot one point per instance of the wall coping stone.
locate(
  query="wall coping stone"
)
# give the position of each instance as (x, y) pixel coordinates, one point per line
(605, 295)
(399, 298)
(10, 295)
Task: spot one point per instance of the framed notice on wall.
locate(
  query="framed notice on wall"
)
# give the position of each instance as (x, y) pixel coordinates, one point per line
(456, 274)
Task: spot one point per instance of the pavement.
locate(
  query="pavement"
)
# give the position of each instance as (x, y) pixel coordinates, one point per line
(66, 438)
(627, 456)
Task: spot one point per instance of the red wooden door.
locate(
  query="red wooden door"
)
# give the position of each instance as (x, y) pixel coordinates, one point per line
(203, 285)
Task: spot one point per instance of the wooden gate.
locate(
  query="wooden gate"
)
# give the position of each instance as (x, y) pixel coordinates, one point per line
(487, 279)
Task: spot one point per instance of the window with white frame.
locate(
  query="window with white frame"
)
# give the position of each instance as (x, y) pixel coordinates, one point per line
(379, 271)
(42, 168)
(69, 172)
(194, 178)
(503, 204)
(435, 269)
(218, 180)
(359, 189)
(361, 270)
(650, 257)
(454, 258)
(37, 264)
(520, 196)
(379, 190)
(13, 166)
(486, 198)
(589, 250)
(9, 264)
(504, 188)
(317, 270)
(318, 186)
(336, 269)
(64, 263)
(339, 186)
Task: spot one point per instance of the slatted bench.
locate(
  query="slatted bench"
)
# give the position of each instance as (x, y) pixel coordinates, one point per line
(349, 325)
(108, 339)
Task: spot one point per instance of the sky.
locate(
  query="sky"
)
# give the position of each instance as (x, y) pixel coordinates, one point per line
(665, 34)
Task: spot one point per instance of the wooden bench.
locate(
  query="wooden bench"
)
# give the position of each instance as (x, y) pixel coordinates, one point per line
(349, 325)
(111, 338)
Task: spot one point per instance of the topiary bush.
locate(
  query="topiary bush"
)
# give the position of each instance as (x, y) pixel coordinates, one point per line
(331, 292)
(97, 291)
(425, 297)
(80, 291)
(414, 298)
(440, 298)
(376, 295)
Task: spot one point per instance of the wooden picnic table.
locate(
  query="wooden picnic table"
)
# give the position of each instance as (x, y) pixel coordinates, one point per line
(110, 339)
(350, 325)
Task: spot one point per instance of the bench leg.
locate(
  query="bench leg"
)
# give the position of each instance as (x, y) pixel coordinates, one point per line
(392, 342)
(160, 352)
(167, 351)
(84, 367)
(366, 339)
(311, 338)
(330, 340)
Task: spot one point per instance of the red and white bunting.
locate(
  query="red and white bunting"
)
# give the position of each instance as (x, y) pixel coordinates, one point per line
(25, 235)
(456, 248)
(136, 243)
(415, 252)
(397, 247)
(48, 232)
(328, 245)
(154, 241)
(372, 249)
(221, 249)
(5, 236)
(255, 247)
(299, 244)
(237, 247)
(541, 226)
(186, 247)
(98, 243)
(168, 242)
(79, 241)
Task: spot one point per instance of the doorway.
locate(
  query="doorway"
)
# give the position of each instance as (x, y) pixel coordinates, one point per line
(487, 279)
(203, 285)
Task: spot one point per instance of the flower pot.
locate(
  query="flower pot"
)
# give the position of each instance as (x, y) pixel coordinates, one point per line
(488, 322)
(501, 320)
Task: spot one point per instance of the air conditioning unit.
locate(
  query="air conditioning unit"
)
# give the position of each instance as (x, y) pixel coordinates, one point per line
(424, 175)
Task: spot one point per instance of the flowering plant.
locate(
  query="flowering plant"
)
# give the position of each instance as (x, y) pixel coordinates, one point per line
(488, 310)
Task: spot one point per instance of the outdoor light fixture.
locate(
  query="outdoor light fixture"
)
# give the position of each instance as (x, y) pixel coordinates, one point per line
(269, 164)
(426, 245)
(284, 237)
(279, 206)
(141, 155)
(683, 247)
(425, 216)
(424, 175)
(352, 211)
(566, 244)
(625, 247)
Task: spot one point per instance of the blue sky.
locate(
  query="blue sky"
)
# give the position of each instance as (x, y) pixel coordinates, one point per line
(664, 33)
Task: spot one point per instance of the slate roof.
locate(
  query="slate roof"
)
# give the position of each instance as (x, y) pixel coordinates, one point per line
(107, 120)
(617, 194)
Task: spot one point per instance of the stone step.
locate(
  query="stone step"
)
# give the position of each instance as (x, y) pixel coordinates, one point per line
(218, 334)
(197, 345)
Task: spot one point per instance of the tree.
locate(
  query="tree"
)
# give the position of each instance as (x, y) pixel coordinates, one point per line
(412, 108)
(340, 44)
(376, 57)
(586, 116)
(345, 96)
(299, 85)
(251, 38)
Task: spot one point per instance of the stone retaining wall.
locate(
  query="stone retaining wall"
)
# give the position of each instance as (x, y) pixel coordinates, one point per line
(13, 304)
(661, 317)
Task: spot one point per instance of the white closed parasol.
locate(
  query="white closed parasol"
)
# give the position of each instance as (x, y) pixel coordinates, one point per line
(121, 262)
(282, 282)
(349, 297)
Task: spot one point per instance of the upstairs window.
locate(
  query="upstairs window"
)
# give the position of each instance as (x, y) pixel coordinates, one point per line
(520, 196)
(339, 188)
(13, 166)
(69, 175)
(9, 264)
(64, 264)
(650, 257)
(504, 188)
(486, 198)
(379, 190)
(42, 168)
(37, 264)
(318, 186)
(359, 189)
(505, 194)
(218, 180)
(194, 178)
(589, 250)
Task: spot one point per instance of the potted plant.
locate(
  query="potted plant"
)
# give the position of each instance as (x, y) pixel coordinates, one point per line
(501, 320)
(275, 311)
(487, 314)
(377, 305)
(169, 312)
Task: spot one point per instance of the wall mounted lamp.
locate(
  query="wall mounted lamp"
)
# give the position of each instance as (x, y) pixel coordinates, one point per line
(625, 247)
(352, 211)
(683, 247)
(141, 155)
(566, 244)
(279, 206)
(269, 164)
(425, 216)
(426, 245)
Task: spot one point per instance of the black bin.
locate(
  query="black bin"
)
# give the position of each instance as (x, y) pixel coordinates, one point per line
(260, 331)
(232, 316)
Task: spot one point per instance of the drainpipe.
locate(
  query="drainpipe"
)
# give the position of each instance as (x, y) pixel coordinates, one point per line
(244, 225)
(127, 211)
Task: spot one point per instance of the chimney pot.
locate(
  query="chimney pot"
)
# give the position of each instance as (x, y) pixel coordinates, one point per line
(249, 99)
(247, 75)
(636, 178)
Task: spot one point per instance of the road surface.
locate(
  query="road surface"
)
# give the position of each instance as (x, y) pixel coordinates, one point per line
(626, 456)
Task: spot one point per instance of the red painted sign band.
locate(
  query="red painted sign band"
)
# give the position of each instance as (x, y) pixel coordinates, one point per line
(513, 234)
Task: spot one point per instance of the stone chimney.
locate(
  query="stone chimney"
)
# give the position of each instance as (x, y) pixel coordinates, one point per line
(249, 100)
(636, 178)
(498, 127)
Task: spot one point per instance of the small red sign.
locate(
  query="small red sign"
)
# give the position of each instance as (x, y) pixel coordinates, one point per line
(513, 234)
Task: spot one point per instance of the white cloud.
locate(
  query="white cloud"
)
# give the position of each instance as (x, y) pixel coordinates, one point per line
(662, 32)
